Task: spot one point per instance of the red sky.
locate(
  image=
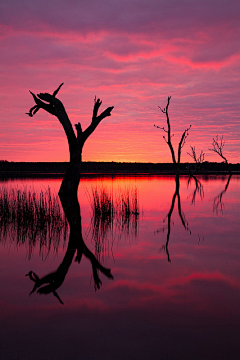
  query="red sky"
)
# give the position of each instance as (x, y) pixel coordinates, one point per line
(132, 54)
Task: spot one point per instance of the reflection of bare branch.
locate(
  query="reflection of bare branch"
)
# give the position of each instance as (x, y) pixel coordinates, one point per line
(198, 188)
(217, 147)
(169, 215)
(199, 239)
(218, 204)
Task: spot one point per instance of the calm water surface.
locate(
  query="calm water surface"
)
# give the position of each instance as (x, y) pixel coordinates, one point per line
(175, 292)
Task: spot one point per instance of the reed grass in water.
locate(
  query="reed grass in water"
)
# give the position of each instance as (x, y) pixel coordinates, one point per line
(113, 216)
(30, 218)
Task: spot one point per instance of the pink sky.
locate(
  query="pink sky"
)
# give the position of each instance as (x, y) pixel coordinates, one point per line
(132, 54)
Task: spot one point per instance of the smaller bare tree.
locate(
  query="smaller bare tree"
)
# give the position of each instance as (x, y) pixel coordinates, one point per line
(198, 160)
(168, 139)
(217, 147)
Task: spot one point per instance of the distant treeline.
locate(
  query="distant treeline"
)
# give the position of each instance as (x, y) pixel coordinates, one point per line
(57, 169)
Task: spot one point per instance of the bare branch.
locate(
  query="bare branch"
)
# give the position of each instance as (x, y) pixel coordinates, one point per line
(159, 127)
(97, 104)
(182, 142)
(79, 130)
(33, 110)
(198, 160)
(53, 102)
(57, 90)
(96, 118)
(218, 145)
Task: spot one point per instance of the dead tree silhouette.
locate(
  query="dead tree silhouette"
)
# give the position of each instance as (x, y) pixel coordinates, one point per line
(54, 106)
(176, 160)
(68, 194)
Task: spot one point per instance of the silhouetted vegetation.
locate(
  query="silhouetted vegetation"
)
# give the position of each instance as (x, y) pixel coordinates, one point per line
(113, 216)
(97, 169)
(30, 218)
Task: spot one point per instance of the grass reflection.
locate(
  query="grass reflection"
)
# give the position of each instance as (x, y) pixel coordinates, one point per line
(113, 215)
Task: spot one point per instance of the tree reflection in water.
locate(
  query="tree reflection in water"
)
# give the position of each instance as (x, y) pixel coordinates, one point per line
(76, 248)
(198, 188)
(121, 213)
(169, 215)
(218, 204)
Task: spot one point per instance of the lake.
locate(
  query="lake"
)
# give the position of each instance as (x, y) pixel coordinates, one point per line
(176, 287)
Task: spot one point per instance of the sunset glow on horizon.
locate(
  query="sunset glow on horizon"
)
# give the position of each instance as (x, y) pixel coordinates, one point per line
(132, 55)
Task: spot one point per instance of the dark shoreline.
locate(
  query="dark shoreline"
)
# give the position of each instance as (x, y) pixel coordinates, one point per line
(93, 169)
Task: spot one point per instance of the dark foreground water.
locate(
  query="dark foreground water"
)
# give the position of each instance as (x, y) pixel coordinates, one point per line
(176, 287)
